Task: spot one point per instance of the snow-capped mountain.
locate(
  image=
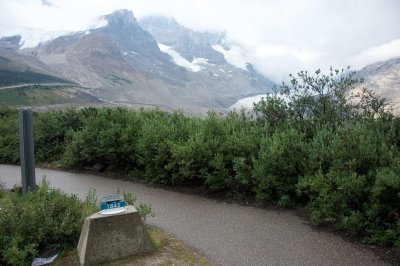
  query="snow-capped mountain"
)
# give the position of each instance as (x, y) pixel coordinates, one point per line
(188, 43)
(156, 61)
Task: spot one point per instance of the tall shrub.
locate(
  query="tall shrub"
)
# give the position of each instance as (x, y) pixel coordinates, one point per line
(281, 161)
(9, 136)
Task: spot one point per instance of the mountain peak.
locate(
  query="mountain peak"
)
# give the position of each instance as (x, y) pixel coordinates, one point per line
(122, 17)
(189, 43)
(10, 42)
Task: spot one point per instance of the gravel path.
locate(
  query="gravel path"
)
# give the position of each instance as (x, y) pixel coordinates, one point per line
(227, 234)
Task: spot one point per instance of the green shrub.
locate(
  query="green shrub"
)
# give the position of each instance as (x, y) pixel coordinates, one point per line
(356, 204)
(189, 160)
(337, 197)
(232, 141)
(306, 143)
(386, 189)
(360, 148)
(2, 189)
(107, 136)
(9, 136)
(51, 133)
(281, 161)
(321, 152)
(384, 212)
(160, 135)
(144, 209)
(39, 219)
(272, 110)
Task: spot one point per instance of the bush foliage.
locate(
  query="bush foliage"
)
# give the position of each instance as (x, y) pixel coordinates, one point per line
(313, 141)
(40, 219)
(46, 219)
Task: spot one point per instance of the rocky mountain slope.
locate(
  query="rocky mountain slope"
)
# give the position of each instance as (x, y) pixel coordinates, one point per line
(19, 74)
(384, 78)
(157, 61)
(190, 44)
(16, 69)
(213, 47)
(123, 63)
(10, 42)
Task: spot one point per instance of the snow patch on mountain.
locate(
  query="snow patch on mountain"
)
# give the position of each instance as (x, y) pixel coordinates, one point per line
(234, 56)
(194, 66)
(201, 61)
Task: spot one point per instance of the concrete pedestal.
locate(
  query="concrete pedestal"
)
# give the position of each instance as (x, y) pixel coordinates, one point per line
(109, 237)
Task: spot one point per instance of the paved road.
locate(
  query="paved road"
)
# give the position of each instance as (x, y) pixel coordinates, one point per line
(227, 234)
(36, 84)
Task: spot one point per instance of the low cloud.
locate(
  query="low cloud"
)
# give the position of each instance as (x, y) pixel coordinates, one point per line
(278, 37)
(377, 53)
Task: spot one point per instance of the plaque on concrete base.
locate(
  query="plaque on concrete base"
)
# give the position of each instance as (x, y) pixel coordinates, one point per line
(113, 236)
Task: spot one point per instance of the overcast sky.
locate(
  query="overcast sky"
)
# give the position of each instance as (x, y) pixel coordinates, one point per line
(278, 37)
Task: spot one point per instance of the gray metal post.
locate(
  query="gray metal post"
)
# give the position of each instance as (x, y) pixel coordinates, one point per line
(27, 150)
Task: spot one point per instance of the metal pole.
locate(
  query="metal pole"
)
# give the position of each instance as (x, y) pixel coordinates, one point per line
(27, 150)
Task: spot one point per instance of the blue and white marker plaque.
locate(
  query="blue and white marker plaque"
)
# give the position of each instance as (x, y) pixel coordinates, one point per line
(112, 204)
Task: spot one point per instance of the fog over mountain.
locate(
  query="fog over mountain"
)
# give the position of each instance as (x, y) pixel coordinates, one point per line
(122, 63)
(277, 37)
(197, 54)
